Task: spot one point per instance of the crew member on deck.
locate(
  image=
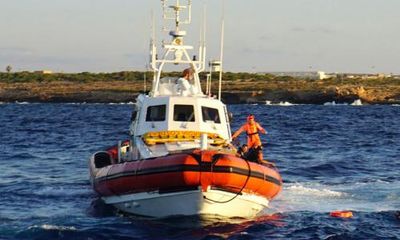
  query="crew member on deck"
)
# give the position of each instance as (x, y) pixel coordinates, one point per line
(252, 129)
(184, 87)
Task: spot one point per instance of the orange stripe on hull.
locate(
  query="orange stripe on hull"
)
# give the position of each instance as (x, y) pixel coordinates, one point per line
(200, 169)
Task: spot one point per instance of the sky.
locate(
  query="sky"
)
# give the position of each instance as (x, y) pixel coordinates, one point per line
(353, 36)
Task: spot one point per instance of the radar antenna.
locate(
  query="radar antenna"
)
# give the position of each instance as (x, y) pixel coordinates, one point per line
(175, 51)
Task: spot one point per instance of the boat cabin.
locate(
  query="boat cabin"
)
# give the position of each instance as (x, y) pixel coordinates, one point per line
(175, 120)
(181, 113)
(176, 115)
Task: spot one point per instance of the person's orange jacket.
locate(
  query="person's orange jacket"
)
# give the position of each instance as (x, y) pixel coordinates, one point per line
(252, 130)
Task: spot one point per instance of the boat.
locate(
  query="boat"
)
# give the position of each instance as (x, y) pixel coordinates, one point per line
(179, 158)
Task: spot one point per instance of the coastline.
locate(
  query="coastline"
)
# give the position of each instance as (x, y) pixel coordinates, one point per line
(236, 90)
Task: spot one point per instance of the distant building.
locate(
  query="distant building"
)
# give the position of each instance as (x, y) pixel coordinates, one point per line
(320, 75)
(365, 76)
(44, 72)
(324, 75)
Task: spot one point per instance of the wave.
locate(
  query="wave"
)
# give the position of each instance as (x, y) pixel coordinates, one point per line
(357, 103)
(279, 104)
(308, 197)
(333, 103)
(374, 196)
(63, 192)
(122, 103)
(299, 189)
(53, 227)
(110, 103)
(76, 103)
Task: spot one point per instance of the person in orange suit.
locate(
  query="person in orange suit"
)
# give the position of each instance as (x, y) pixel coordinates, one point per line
(252, 129)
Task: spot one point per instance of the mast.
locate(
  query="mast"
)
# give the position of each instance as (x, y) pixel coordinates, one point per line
(221, 56)
(175, 51)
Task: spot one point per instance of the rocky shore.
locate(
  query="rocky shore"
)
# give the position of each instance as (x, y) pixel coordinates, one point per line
(235, 92)
(316, 96)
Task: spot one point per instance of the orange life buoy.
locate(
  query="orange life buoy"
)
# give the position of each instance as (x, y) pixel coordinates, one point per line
(342, 214)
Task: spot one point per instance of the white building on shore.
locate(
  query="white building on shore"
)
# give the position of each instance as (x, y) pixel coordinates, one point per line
(312, 75)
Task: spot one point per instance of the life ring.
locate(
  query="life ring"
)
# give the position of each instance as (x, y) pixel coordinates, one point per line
(152, 138)
(342, 214)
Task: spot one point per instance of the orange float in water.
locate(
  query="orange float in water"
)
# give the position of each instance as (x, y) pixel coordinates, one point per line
(341, 214)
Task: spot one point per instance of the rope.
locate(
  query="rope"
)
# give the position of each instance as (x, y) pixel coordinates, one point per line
(237, 194)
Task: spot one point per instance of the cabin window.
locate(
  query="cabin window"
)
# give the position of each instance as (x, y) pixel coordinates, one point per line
(156, 113)
(184, 113)
(210, 114)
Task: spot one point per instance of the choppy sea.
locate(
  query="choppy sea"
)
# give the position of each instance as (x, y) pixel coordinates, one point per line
(333, 157)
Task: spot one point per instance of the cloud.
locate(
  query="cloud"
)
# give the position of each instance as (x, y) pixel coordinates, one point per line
(13, 52)
(322, 29)
(316, 29)
(260, 50)
(265, 38)
(298, 29)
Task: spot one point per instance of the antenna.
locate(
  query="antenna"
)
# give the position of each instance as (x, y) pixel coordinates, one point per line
(153, 49)
(202, 45)
(175, 51)
(204, 26)
(145, 78)
(221, 57)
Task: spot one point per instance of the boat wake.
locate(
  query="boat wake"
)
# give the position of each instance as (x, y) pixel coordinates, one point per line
(326, 198)
(62, 192)
(299, 189)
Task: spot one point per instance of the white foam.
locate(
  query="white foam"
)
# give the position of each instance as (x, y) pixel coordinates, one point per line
(299, 189)
(371, 196)
(76, 103)
(330, 103)
(54, 227)
(285, 104)
(357, 103)
(308, 197)
(279, 104)
(60, 191)
(22, 103)
(121, 103)
(111, 103)
(333, 103)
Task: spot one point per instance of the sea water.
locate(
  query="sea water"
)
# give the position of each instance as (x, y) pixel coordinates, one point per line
(334, 157)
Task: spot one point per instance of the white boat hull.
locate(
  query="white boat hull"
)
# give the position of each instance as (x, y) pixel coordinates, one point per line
(194, 202)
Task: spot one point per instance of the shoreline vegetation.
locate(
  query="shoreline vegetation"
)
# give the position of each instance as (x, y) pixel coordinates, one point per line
(237, 88)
